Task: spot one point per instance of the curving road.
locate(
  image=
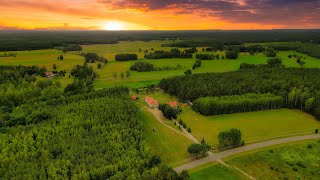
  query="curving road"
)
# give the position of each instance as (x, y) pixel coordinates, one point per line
(249, 147)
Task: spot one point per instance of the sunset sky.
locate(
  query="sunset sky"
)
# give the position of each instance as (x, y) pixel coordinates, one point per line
(159, 14)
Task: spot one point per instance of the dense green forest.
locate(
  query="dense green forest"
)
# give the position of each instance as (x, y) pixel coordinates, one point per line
(237, 103)
(299, 87)
(46, 133)
(29, 40)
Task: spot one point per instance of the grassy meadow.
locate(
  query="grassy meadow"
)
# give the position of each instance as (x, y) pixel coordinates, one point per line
(161, 141)
(290, 161)
(255, 126)
(216, 172)
(44, 58)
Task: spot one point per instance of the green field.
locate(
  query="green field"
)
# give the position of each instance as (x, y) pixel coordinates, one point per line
(216, 172)
(293, 161)
(43, 58)
(255, 126)
(141, 79)
(169, 145)
(110, 50)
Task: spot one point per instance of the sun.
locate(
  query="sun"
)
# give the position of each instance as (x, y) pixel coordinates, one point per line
(113, 26)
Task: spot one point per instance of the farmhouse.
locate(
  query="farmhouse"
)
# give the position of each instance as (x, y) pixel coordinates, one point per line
(134, 98)
(152, 103)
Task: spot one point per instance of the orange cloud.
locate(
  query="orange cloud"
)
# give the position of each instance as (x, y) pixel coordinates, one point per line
(159, 14)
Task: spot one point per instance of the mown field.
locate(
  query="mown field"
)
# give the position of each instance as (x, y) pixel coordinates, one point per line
(255, 126)
(292, 161)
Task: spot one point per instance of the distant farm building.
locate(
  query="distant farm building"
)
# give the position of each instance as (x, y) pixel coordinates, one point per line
(49, 75)
(173, 104)
(152, 103)
(134, 98)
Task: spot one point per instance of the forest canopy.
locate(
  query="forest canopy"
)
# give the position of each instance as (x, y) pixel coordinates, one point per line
(299, 87)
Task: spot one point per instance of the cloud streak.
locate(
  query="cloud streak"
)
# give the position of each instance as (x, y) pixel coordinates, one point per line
(162, 14)
(246, 11)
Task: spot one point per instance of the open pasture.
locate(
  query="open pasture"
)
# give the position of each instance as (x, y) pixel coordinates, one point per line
(255, 126)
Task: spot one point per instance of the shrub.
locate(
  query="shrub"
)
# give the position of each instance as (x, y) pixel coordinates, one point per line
(142, 67)
(91, 57)
(270, 52)
(198, 149)
(230, 138)
(232, 55)
(126, 57)
(274, 62)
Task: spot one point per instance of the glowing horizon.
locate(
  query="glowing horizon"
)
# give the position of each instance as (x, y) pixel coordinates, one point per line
(159, 14)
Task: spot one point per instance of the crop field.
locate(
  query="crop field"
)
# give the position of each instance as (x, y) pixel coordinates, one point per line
(255, 126)
(292, 161)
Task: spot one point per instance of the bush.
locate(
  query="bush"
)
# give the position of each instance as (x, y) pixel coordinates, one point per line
(205, 56)
(270, 52)
(274, 62)
(198, 149)
(232, 55)
(126, 57)
(197, 64)
(189, 130)
(91, 57)
(142, 67)
(230, 138)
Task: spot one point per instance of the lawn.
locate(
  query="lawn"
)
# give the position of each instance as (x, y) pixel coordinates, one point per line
(168, 144)
(216, 172)
(255, 126)
(292, 161)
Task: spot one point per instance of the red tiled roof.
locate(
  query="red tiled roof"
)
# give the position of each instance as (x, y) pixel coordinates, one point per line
(151, 102)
